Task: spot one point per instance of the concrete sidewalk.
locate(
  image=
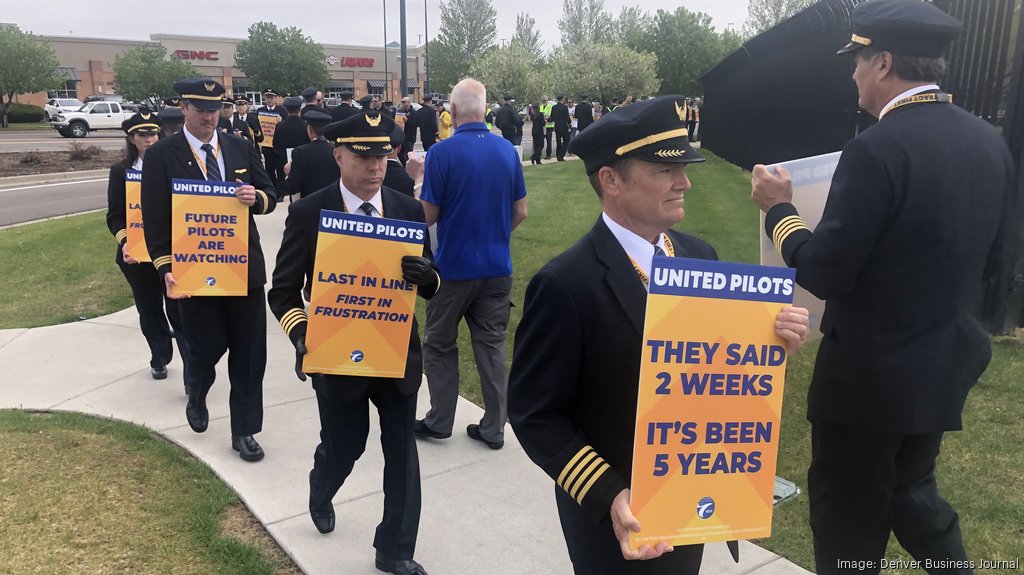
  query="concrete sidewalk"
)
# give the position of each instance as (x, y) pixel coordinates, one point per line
(484, 511)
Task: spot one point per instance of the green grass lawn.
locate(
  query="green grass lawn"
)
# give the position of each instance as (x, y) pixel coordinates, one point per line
(59, 271)
(81, 494)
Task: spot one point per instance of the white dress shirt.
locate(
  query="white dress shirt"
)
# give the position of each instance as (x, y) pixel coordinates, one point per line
(638, 249)
(911, 92)
(197, 150)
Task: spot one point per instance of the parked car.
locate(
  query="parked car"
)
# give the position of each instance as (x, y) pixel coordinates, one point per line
(55, 106)
(96, 115)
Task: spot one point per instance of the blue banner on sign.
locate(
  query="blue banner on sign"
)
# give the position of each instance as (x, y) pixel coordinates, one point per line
(203, 187)
(727, 280)
(341, 223)
(133, 175)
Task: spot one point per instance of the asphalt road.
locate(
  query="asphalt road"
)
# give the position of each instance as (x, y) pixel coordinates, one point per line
(28, 203)
(51, 141)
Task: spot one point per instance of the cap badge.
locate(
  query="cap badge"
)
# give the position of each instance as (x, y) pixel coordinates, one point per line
(373, 121)
(681, 112)
(144, 116)
(209, 86)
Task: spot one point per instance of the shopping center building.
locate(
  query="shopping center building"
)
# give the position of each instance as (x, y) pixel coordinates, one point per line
(86, 66)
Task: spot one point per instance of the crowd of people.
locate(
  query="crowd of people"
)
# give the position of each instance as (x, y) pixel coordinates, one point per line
(901, 348)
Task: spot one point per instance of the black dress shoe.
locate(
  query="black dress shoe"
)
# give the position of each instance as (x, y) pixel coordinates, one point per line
(421, 430)
(473, 431)
(398, 566)
(247, 447)
(323, 519)
(158, 372)
(197, 415)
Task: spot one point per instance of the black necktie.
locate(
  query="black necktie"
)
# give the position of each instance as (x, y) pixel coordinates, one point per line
(212, 169)
(367, 208)
(658, 251)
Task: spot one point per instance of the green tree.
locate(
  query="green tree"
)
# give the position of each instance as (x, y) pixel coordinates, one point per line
(763, 14)
(632, 26)
(27, 65)
(687, 46)
(467, 30)
(145, 74)
(281, 59)
(508, 70)
(602, 71)
(584, 21)
(527, 36)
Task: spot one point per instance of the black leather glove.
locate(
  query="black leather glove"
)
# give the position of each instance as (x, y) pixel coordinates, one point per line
(300, 350)
(418, 271)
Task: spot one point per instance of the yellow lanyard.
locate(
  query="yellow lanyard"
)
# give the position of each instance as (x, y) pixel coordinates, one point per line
(930, 98)
(670, 251)
(202, 164)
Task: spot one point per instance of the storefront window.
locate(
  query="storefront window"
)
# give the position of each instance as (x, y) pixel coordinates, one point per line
(69, 90)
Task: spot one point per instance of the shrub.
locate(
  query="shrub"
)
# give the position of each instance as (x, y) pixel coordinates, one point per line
(31, 157)
(24, 113)
(80, 151)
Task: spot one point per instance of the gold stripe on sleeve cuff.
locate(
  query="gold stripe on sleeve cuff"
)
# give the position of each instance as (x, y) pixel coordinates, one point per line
(784, 225)
(121, 236)
(292, 318)
(590, 483)
(264, 199)
(790, 229)
(582, 471)
(162, 261)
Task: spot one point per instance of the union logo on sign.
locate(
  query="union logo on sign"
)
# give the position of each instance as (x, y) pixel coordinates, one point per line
(356, 356)
(331, 60)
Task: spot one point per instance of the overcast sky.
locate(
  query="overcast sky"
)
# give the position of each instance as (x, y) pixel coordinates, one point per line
(356, 22)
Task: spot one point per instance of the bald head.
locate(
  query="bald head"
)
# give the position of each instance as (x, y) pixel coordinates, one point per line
(469, 99)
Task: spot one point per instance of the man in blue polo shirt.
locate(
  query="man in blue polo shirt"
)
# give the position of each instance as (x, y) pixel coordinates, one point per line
(473, 189)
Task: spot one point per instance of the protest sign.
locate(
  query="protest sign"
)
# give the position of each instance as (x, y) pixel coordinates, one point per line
(135, 243)
(710, 400)
(812, 178)
(360, 309)
(209, 239)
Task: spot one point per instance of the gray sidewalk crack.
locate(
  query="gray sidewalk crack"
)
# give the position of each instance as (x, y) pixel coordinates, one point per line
(15, 338)
(88, 391)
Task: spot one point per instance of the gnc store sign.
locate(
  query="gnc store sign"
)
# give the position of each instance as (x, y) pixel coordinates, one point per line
(209, 55)
(349, 62)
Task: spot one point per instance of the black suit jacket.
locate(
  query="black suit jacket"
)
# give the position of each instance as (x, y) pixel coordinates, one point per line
(342, 111)
(249, 128)
(398, 179)
(576, 365)
(290, 133)
(584, 115)
(899, 254)
(295, 265)
(172, 158)
(508, 121)
(426, 121)
(313, 167)
(560, 116)
(117, 212)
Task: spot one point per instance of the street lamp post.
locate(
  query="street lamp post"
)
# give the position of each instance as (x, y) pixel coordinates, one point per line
(404, 82)
(426, 53)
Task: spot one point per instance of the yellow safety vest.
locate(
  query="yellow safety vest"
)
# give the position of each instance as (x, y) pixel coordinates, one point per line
(546, 110)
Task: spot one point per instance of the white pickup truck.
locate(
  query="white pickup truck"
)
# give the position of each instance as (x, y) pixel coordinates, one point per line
(91, 117)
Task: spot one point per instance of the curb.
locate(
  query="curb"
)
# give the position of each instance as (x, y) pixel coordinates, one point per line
(48, 178)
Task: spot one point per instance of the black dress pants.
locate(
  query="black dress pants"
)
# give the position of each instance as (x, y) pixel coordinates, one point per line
(275, 172)
(547, 136)
(561, 144)
(236, 325)
(594, 550)
(149, 294)
(862, 485)
(538, 147)
(344, 426)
